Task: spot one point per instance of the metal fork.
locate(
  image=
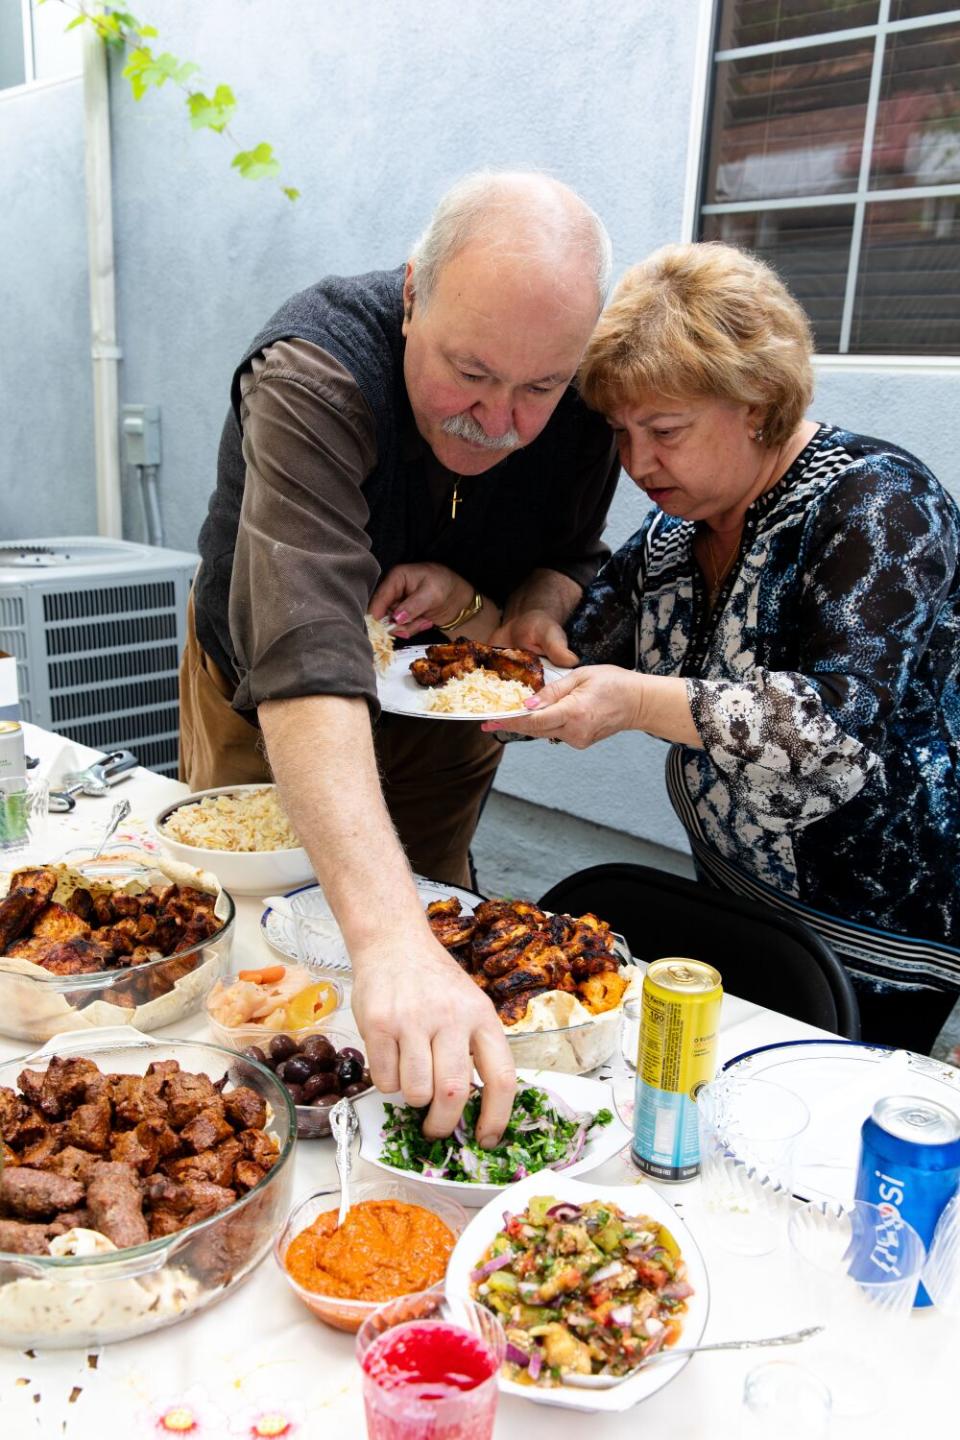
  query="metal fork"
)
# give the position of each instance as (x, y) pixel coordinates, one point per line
(607, 1382)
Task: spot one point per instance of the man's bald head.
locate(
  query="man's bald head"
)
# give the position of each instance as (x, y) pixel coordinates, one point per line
(518, 215)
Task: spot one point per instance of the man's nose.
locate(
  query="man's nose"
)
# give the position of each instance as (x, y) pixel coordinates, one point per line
(495, 414)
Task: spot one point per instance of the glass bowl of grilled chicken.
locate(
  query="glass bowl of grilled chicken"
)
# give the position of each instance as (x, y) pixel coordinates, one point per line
(127, 939)
(557, 982)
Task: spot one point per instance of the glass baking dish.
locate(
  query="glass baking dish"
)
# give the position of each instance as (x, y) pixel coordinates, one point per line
(52, 1302)
(35, 1004)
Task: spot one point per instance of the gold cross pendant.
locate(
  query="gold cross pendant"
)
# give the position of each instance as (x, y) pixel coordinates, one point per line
(455, 499)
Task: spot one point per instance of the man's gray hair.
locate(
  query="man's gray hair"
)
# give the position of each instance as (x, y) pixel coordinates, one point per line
(524, 211)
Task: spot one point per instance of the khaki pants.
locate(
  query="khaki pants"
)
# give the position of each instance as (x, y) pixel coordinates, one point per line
(435, 773)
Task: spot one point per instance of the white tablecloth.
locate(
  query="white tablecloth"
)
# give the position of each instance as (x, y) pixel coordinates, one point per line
(259, 1348)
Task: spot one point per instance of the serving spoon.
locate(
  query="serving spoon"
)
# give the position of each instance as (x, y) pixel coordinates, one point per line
(344, 1124)
(118, 814)
(607, 1382)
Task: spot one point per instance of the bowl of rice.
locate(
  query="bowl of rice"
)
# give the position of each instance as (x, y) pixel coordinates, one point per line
(241, 833)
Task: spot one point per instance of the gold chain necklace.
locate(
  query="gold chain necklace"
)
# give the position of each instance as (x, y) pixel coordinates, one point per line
(720, 573)
(455, 498)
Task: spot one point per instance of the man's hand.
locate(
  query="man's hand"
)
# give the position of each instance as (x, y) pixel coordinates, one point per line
(535, 614)
(425, 1025)
(420, 596)
(539, 631)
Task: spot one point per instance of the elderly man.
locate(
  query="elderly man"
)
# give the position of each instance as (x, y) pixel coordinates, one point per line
(417, 425)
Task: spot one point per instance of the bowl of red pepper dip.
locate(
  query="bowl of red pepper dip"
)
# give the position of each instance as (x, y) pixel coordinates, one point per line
(394, 1241)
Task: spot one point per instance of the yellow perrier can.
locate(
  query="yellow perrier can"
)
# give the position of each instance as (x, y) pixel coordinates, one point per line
(677, 1055)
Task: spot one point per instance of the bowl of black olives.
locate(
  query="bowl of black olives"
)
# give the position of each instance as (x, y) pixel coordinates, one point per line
(317, 1072)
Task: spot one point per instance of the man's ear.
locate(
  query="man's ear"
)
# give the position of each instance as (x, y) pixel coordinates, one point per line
(408, 296)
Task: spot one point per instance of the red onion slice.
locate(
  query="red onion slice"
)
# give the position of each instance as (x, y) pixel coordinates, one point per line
(564, 1212)
(606, 1272)
(499, 1262)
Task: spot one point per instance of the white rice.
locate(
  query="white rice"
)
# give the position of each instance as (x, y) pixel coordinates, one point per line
(381, 642)
(479, 692)
(247, 820)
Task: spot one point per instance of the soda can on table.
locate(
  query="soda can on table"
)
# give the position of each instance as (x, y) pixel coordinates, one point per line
(910, 1162)
(677, 1055)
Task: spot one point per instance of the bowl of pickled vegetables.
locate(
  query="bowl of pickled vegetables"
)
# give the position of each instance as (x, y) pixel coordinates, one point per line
(252, 1006)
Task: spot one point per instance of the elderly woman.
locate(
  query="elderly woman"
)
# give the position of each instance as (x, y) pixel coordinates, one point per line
(788, 617)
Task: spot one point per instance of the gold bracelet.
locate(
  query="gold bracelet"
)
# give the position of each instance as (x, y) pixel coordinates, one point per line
(467, 613)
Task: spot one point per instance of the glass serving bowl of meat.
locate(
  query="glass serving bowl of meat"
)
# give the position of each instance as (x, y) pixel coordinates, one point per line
(557, 982)
(127, 939)
(143, 1180)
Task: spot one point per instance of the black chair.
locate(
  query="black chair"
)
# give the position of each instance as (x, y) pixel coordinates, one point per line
(762, 955)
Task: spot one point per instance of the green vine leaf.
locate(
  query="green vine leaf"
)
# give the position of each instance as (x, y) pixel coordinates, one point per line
(120, 29)
(212, 114)
(143, 69)
(258, 164)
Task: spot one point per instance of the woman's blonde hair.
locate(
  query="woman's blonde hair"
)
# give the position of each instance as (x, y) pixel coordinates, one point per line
(703, 320)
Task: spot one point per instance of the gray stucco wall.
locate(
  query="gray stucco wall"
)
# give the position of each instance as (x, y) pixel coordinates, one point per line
(46, 397)
(374, 107)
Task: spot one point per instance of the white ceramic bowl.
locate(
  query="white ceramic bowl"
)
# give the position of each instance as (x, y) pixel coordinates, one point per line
(635, 1199)
(247, 872)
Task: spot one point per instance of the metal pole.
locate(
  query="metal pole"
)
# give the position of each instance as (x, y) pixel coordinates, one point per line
(103, 320)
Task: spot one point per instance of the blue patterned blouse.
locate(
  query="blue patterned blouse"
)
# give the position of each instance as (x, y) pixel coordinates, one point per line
(824, 686)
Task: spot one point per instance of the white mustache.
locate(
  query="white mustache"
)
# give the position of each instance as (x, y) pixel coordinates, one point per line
(464, 427)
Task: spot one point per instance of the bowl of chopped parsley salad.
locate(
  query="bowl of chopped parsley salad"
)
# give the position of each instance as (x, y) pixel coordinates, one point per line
(558, 1122)
(585, 1277)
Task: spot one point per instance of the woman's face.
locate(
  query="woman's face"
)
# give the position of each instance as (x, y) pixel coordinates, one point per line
(696, 459)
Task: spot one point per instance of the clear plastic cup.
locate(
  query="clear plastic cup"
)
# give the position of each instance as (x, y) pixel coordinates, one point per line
(318, 939)
(941, 1273)
(631, 1012)
(430, 1367)
(749, 1130)
(785, 1401)
(860, 1267)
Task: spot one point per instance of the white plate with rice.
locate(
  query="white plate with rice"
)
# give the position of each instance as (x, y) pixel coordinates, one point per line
(330, 953)
(479, 695)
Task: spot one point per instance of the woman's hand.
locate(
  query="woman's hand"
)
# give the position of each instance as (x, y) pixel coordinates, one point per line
(602, 700)
(582, 708)
(420, 596)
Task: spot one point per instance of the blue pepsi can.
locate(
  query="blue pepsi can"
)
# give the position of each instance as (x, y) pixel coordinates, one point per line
(910, 1162)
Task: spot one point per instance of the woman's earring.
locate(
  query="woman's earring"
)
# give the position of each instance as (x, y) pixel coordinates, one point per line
(758, 433)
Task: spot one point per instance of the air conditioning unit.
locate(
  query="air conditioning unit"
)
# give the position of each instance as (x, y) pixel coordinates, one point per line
(97, 627)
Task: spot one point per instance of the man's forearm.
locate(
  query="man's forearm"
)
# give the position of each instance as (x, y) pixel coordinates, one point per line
(545, 590)
(321, 752)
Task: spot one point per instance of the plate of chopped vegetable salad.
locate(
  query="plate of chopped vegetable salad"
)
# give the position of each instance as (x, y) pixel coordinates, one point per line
(585, 1278)
(559, 1122)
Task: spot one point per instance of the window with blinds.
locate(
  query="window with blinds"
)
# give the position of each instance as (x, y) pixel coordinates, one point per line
(833, 151)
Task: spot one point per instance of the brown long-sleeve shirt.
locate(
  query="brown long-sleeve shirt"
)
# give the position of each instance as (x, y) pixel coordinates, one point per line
(303, 568)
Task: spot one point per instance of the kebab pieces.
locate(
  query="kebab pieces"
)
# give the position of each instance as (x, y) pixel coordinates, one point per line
(516, 951)
(134, 1157)
(101, 928)
(457, 658)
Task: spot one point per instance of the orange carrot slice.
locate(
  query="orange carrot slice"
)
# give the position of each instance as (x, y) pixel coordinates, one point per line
(269, 975)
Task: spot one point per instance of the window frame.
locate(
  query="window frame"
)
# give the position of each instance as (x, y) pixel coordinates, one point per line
(694, 209)
(32, 81)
